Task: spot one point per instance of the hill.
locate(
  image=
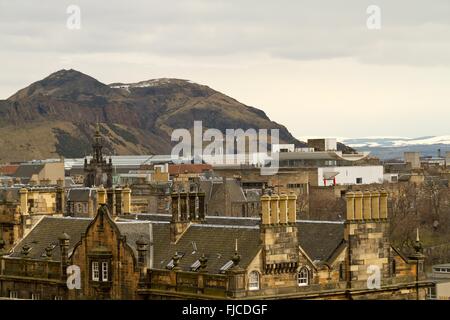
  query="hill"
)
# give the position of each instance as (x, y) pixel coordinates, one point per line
(56, 116)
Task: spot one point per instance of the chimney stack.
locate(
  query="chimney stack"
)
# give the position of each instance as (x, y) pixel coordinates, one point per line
(292, 208)
(367, 205)
(274, 210)
(367, 236)
(279, 235)
(126, 199)
(101, 196)
(283, 207)
(358, 205)
(64, 241)
(185, 211)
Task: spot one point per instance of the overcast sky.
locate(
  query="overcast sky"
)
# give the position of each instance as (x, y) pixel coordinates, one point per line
(313, 66)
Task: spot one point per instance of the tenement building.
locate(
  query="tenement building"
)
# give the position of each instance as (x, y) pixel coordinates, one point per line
(190, 255)
(22, 207)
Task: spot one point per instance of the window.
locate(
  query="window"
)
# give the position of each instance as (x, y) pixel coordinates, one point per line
(35, 296)
(105, 271)
(341, 272)
(431, 293)
(141, 259)
(95, 271)
(393, 266)
(79, 208)
(58, 298)
(303, 277)
(13, 294)
(359, 181)
(253, 280)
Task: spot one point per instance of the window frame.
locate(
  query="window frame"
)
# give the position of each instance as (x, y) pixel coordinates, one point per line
(301, 279)
(35, 296)
(95, 271)
(103, 270)
(254, 281)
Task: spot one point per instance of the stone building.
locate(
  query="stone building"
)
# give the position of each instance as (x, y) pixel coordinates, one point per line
(226, 197)
(41, 173)
(81, 202)
(22, 207)
(151, 197)
(98, 171)
(191, 255)
(35, 266)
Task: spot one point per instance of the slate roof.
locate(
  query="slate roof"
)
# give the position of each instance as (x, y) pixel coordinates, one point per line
(47, 231)
(319, 239)
(215, 238)
(9, 194)
(27, 170)
(133, 230)
(216, 242)
(80, 194)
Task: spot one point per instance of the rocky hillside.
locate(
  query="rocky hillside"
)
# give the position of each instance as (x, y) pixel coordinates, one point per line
(56, 116)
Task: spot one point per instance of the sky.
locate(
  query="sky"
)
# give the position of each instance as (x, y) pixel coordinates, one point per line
(321, 68)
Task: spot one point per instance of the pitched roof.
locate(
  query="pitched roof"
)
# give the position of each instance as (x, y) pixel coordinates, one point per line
(217, 243)
(9, 194)
(27, 170)
(8, 169)
(133, 230)
(47, 231)
(80, 194)
(318, 238)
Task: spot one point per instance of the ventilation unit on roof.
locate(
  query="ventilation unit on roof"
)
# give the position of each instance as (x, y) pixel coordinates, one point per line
(194, 247)
(195, 266)
(226, 266)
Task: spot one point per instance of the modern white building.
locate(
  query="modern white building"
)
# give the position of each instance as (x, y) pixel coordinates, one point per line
(441, 278)
(349, 175)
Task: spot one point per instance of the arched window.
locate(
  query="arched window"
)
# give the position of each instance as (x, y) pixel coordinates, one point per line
(303, 277)
(253, 280)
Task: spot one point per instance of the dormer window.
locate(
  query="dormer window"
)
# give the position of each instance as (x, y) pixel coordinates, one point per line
(95, 271)
(105, 274)
(253, 281)
(303, 277)
(100, 270)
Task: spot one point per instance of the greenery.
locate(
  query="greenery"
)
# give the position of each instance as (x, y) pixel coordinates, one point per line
(125, 134)
(70, 147)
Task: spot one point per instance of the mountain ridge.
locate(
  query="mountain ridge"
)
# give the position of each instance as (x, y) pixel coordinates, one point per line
(55, 116)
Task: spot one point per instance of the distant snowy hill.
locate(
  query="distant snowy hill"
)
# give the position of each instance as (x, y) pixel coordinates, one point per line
(393, 147)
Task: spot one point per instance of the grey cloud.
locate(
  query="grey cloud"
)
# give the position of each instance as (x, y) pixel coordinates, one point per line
(301, 30)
